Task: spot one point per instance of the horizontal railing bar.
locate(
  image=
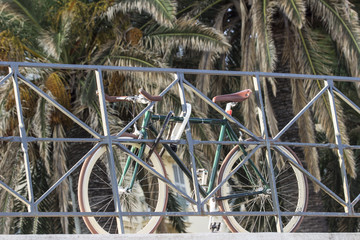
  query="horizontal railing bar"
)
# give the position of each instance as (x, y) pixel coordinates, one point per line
(177, 70)
(180, 142)
(318, 145)
(114, 214)
(34, 139)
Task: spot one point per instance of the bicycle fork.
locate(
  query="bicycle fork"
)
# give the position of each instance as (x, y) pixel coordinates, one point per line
(202, 176)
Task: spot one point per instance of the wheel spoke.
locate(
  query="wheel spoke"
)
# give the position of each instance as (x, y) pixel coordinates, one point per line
(289, 181)
(147, 194)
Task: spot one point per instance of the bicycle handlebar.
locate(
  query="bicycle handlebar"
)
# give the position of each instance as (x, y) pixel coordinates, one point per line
(144, 98)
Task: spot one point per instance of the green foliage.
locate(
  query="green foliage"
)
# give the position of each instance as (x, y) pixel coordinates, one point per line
(82, 32)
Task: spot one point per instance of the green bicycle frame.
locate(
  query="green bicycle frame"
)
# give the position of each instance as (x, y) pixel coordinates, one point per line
(140, 154)
(225, 130)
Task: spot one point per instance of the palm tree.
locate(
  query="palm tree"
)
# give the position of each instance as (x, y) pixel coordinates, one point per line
(82, 32)
(319, 37)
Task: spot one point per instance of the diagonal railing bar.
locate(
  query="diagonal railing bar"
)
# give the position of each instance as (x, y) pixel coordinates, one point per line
(14, 193)
(346, 99)
(3, 80)
(219, 109)
(24, 143)
(153, 171)
(59, 107)
(231, 174)
(356, 200)
(71, 170)
(299, 114)
(312, 178)
(148, 107)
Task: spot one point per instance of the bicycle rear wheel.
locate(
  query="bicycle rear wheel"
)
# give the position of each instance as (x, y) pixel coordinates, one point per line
(246, 191)
(148, 194)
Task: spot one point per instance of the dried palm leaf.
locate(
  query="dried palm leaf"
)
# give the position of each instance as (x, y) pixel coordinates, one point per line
(59, 167)
(322, 111)
(163, 11)
(187, 34)
(295, 11)
(341, 21)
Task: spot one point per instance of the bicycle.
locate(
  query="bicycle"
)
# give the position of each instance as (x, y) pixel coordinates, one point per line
(244, 184)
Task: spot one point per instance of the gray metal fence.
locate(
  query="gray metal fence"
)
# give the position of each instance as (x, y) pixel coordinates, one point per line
(328, 90)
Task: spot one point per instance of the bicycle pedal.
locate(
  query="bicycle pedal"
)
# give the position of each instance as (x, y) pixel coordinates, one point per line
(215, 226)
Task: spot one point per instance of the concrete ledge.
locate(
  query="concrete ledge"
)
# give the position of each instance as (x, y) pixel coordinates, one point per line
(202, 236)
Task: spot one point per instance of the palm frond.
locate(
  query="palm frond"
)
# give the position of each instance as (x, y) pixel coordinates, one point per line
(306, 129)
(11, 48)
(8, 18)
(9, 163)
(299, 62)
(270, 114)
(342, 23)
(248, 109)
(295, 11)
(187, 34)
(206, 62)
(310, 55)
(19, 9)
(139, 57)
(248, 63)
(15, 18)
(42, 129)
(261, 15)
(163, 11)
(54, 43)
(59, 169)
(203, 81)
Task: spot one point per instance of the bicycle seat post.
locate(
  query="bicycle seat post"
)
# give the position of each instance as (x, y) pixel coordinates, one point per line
(230, 105)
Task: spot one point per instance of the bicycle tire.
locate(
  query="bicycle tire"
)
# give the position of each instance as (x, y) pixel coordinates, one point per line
(95, 193)
(291, 185)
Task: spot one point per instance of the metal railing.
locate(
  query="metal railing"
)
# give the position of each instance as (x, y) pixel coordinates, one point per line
(328, 90)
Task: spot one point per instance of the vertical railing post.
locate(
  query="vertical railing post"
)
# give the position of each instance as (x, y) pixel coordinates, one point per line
(265, 135)
(340, 148)
(106, 129)
(22, 131)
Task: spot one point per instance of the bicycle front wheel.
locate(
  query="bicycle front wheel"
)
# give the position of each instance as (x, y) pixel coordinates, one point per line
(248, 190)
(139, 191)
